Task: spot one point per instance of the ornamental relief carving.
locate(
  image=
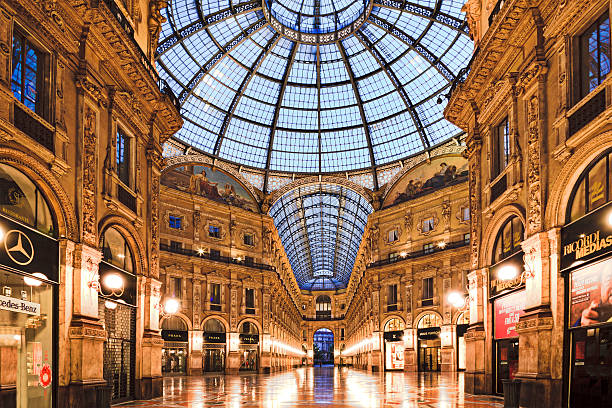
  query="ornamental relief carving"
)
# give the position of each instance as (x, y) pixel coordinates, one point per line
(393, 235)
(432, 223)
(154, 225)
(211, 222)
(249, 231)
(459, 214)
(534, 209)
(446, 212)
(184, 222)
(90, 126)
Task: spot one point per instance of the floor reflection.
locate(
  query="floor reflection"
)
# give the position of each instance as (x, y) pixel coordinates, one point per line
(319, 386)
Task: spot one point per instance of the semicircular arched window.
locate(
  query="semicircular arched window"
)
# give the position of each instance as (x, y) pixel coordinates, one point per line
(214, 326)
(592, 189)
(248, 328)
(508, 239)
(323, 307)
(429, 320)
(394, 324)
(174, 323)
(23, 201)
(115, 250)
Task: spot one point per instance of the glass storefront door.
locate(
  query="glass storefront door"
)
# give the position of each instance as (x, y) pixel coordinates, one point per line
(26, 341)
(591, 368)
(506, 356)
(213, 360)
(429, 356)
(249, 360)
(174, 360)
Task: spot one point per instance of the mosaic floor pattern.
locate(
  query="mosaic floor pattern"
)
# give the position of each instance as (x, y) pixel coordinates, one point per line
(318, 387)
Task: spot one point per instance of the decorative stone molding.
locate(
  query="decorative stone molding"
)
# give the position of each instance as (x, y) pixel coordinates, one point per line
(211, 222)
(184, 221)
(395, 227)
(251, 231)
(132, 237)
(425, 216)
(89, 188)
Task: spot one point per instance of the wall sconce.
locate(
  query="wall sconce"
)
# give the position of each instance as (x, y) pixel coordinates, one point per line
(171, 306)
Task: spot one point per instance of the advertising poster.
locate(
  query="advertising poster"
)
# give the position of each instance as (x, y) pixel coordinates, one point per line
(591, 295)
(508, 310)
(395, 356)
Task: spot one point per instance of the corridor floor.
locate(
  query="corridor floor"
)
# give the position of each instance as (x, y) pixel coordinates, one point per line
(318, 387)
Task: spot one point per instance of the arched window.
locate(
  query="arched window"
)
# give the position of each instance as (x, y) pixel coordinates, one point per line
(323, 306)
(116, 251)
(592, 189)
(508, 239)
(394, 324)
(214, 326)
(429, 320)
(174, 323)
(21, 200)
(248, 328)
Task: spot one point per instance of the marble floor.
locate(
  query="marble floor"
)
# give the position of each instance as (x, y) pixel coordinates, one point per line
(318, 387)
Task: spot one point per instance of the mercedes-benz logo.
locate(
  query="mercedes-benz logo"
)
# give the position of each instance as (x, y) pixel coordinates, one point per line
(19, 247)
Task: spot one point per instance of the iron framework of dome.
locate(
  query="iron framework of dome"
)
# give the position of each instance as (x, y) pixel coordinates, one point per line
(311, 86)
(321, 226)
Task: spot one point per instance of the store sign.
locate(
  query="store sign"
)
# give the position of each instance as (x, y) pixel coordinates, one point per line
(175, 335)
(214, 337)
(249, 338)
(24, 249)
(586, 239)
(395, 355)
(429, 333)
(508, 309)
(591, 294)
(396, 335)
(498, 275)
(19, 306)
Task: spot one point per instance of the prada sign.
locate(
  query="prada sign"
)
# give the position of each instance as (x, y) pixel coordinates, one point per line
(249, 338)
(214, 337)
(175, 335)
(498, 283)
(27, 250)
(587, 238)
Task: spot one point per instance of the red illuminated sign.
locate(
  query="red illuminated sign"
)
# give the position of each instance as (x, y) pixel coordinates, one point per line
(508, 309)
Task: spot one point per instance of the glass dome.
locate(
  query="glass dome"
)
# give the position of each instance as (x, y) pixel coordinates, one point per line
(313, 86)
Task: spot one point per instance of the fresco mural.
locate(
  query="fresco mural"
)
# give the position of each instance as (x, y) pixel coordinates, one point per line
(424, 179)
(212, 184)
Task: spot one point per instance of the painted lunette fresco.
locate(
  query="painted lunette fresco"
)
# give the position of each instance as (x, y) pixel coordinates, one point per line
(212, 184)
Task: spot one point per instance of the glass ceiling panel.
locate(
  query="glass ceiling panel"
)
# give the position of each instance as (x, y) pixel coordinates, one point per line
(258, 95)
(321, 227)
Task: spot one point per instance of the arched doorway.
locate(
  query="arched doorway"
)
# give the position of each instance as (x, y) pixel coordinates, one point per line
(323, 347)
(323, 307)
(249, 346)
(213, 353)
(175, 333)
(394, 344)
(429, 343)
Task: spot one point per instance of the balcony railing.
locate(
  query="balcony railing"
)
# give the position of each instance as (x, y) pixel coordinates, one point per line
(322, 318)
(144, 60)
(587, 112)
(219, 258)
(498, 188)
(495, 11)
(126, 198)
(417, 254)
(28, 123)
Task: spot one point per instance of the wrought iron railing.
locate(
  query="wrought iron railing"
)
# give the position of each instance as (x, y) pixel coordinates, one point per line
(26, 121)
(422, 252)
(219, 258)
(587, 112)
(126, 198)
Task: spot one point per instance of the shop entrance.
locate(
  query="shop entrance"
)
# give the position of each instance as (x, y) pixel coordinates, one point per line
(249, 347)
(462, 326)
(323, 346)
(213, 355)
(394, 344)
(176, 340)
(428, 336)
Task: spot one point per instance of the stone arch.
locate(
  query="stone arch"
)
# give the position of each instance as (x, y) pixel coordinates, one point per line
(277, 194)
(389, 318)
(219, 318)
(131, 236)
(569, 174)
(57, 198)
(490, 232)
(194, 158)
(458, 314)
(180, 315)
(423, 313)
(251, 320)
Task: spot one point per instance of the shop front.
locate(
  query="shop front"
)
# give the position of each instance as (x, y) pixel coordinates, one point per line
(117, 312)
(29, 264)
(586, 263)
(249, 347)
(213, 353)
(176, 345)
(462, 326)
(429, 342)
(394, 344)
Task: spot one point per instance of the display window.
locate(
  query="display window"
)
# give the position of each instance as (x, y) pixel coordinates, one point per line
(394, 344)
(507, 311)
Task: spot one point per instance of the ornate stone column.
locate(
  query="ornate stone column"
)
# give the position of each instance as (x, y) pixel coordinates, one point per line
(478, 374)
(149, 376)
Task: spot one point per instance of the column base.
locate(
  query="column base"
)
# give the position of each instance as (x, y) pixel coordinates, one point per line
(147, 388)
(8, 397)
(476, 382)
(540, 392)
(78, 395)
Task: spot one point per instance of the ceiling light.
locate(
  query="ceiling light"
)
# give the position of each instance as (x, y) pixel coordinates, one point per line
(456, 299)
(34, 282)
(171, 306)
(113, 281)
